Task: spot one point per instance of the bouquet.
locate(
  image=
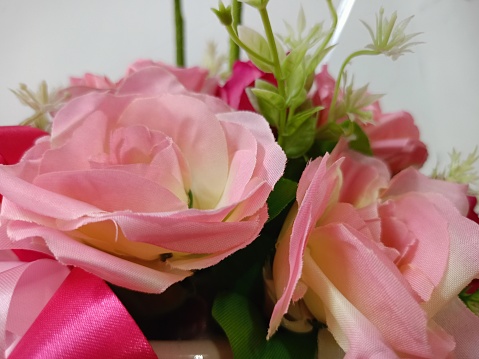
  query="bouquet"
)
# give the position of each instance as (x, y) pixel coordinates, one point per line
(270, 204)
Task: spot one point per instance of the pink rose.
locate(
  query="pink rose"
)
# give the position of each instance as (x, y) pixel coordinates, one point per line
(93, 81)
(393, 137)
(323, 94)
(379, 262)
(88, 83)
(194, 79)
(142, 186)
(244, 75)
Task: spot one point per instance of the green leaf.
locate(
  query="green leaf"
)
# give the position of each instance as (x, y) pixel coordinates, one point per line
(295, 85)
(359, 140)
(316, 59)
(471, 300)
(257, 43)
(321, 147)
(301, 21)
(265, 107)
(265, 85)
(299, 118)
(242, 324)
(292, 61)
(298, 100)
(224, 14)
(284, 193)
(298, 143)
(327, 136)
(272, 98)
(280, 50)
(246, 331)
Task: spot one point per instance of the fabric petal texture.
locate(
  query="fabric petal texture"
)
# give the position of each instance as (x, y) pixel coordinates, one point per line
(143, 180)
(383, 259)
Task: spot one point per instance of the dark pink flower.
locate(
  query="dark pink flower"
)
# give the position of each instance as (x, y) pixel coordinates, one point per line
(15, 140)
(244, 75)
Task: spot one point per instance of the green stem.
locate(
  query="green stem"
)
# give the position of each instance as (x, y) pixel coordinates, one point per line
(273, 49)
(334, 15)
(236, 7)
(179, 32)
(332, 107)
(278, 73)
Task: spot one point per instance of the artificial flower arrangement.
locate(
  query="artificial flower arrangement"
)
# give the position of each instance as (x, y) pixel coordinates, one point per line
(278, 207)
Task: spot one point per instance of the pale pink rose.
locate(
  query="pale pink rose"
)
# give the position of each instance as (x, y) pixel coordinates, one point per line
(142, 186)
(93, 81)
(88, 83)
(393, 137)
(375, 260)
(194, 79)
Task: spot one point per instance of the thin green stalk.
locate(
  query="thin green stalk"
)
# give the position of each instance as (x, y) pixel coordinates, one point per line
(274, 51)
(179, 32)
(278, 73)
(334, 15)
(332, 107)
(236, 7)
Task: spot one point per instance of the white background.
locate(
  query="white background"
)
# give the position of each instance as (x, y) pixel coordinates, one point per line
(54, 39)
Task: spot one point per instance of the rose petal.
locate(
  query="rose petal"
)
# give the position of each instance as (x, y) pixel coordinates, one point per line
(151, 277)
(209, 173)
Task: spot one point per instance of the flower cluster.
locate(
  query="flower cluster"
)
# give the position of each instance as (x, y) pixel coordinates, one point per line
(290, 193)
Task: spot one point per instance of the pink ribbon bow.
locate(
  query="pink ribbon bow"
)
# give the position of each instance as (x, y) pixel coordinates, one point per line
(50, 311)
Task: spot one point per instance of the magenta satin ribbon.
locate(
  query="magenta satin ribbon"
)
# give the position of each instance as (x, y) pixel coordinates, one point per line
(84, 319)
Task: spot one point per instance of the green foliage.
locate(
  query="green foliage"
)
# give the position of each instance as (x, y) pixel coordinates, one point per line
(283, 194)
(245, 327)
(272, 98)
(358, 140)
(256, 45)
(354, 102)
(42, 102)
(224, 14)
(389, 38)
(328, 135)
(300, 117)
(459, 170)
(297, 142)
(268, 103)
(292, 61)
(471, 300)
